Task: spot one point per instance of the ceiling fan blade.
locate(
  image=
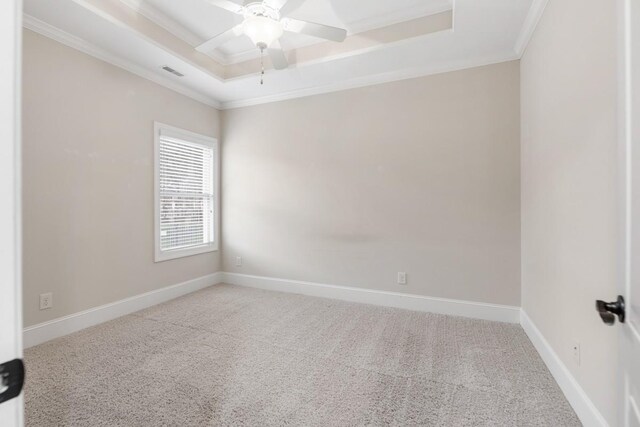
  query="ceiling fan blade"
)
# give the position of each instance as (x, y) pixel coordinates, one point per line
(313, 29)
(286, 6)
(227, 5)
(278, 58)
(220, 39)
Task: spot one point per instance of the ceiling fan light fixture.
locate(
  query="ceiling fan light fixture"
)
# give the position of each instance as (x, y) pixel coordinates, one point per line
(262, 30)
(264, 26)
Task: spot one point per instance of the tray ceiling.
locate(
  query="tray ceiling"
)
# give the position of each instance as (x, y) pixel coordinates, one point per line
(388, 40)
(196, 21)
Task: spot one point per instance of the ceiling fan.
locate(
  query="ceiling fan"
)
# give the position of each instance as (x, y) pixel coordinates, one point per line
(264, 23)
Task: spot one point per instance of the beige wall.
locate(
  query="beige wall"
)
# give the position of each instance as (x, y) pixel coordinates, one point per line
(349, 188)
(569, 192)
(88, 180)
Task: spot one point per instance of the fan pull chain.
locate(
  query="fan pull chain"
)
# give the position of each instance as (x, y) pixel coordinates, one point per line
(262, 65)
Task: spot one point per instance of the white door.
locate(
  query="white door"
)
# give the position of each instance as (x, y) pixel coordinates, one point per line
(630, 132)
(10, 283)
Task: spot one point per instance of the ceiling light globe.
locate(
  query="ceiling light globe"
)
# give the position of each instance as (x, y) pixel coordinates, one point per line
(262, 30)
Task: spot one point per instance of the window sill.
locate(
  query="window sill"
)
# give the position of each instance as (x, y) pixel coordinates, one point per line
(181, 253)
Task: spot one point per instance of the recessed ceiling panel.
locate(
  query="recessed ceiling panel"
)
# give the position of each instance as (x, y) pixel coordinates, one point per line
(197, 16)
(383, 12)
(206, 21)
(320, 11)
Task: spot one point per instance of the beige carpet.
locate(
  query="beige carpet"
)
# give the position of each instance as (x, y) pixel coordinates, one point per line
(229, 355)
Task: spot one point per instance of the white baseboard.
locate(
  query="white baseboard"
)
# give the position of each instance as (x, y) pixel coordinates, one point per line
(46, 331)
(42, 332)
(476, 310)
(580, 402)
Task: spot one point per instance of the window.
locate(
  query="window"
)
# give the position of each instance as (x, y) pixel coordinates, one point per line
(186, 193)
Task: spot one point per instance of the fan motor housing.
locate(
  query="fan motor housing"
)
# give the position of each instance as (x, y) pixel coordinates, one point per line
(261, 9)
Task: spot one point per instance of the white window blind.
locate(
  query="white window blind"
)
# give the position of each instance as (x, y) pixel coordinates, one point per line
(185, 195)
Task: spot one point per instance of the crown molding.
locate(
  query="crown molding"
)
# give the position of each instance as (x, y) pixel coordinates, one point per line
(375, 80)
(77, 43)
(530, 23)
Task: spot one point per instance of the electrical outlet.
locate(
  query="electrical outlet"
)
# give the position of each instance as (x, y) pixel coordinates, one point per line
(402, 278)
(46, 301)
(238, 261)
(575, 350)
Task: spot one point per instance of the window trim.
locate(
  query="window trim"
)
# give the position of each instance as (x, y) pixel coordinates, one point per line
(175, 132)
